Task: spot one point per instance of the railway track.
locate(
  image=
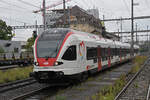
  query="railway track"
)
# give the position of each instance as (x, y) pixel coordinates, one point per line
(34, 90)
(17, 84)
(79, 92)
(148, 93)
(11, 67)
(22, 88)
(137, 88)
(97, 83)
(12, 86)
(8, 67)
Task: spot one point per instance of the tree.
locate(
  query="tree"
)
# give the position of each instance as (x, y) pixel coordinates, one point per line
(5, 31)
(30, 42)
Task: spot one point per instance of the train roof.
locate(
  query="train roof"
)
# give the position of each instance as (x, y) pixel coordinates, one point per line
(84, 36)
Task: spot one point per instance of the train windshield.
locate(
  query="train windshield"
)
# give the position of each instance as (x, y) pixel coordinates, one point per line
(49, 43)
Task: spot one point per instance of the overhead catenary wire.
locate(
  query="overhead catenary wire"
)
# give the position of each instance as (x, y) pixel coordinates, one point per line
(27, 3)
(85, 2)
(79, 4)
(15, 20)
(14, 5)
(16, 10)
(125, 3)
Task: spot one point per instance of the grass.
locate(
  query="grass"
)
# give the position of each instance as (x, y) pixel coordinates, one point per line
(60, 98)
(14, 74)
(109, 92)
(136, 85)
(90, 79)
(138, 61)
(81, 89)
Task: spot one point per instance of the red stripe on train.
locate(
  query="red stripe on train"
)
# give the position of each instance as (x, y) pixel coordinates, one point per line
(67, 36)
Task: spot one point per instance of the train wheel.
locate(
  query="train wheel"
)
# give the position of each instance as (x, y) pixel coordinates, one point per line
(83, 77)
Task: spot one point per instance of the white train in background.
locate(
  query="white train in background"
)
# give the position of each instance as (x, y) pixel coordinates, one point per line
(65, 54)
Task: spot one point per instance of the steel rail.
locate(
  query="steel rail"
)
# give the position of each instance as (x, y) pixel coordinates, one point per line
(13, 85)
(132, 79)
(8, 67)
(29, 93)
(12, 67)
(148, 93)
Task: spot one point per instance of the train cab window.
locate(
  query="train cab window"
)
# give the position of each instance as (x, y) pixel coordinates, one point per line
(70, 53)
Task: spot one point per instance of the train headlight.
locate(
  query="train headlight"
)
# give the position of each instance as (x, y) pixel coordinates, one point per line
(57, 63)
(36, 63)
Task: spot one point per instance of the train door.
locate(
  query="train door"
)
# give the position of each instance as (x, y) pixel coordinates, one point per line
(82, 55)
(109, 57)
(99, 58)
(70, 58)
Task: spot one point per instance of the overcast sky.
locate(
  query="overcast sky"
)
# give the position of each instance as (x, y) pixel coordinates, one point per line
(18, 12)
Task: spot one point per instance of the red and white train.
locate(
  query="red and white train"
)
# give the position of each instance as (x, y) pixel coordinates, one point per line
(62, 53)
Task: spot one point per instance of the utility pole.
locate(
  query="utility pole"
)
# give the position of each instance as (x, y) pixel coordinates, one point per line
(103, 17)
(121, 28)
(118, 33)
(147, 33)
(36, 28)
(147, 40)
(44, 13)
(149, 44)
(64, 7)
(136, 35)
(132, 28)
(69, 15)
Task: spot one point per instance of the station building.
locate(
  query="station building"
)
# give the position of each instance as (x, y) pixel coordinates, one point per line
(78, 19)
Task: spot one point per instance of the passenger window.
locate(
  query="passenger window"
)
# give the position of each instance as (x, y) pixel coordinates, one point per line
(91, 53)
(70, 53)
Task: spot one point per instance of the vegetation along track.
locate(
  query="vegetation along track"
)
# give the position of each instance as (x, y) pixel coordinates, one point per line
(138, 87)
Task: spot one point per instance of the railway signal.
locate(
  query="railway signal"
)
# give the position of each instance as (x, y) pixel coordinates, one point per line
(34, 34)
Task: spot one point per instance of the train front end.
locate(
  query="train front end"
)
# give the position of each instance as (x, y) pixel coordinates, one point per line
(47, 49)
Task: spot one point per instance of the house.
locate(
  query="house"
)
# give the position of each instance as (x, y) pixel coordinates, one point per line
(12, 46)
(78, 19)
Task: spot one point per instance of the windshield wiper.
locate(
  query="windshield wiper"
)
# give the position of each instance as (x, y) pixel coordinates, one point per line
(47, 57)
